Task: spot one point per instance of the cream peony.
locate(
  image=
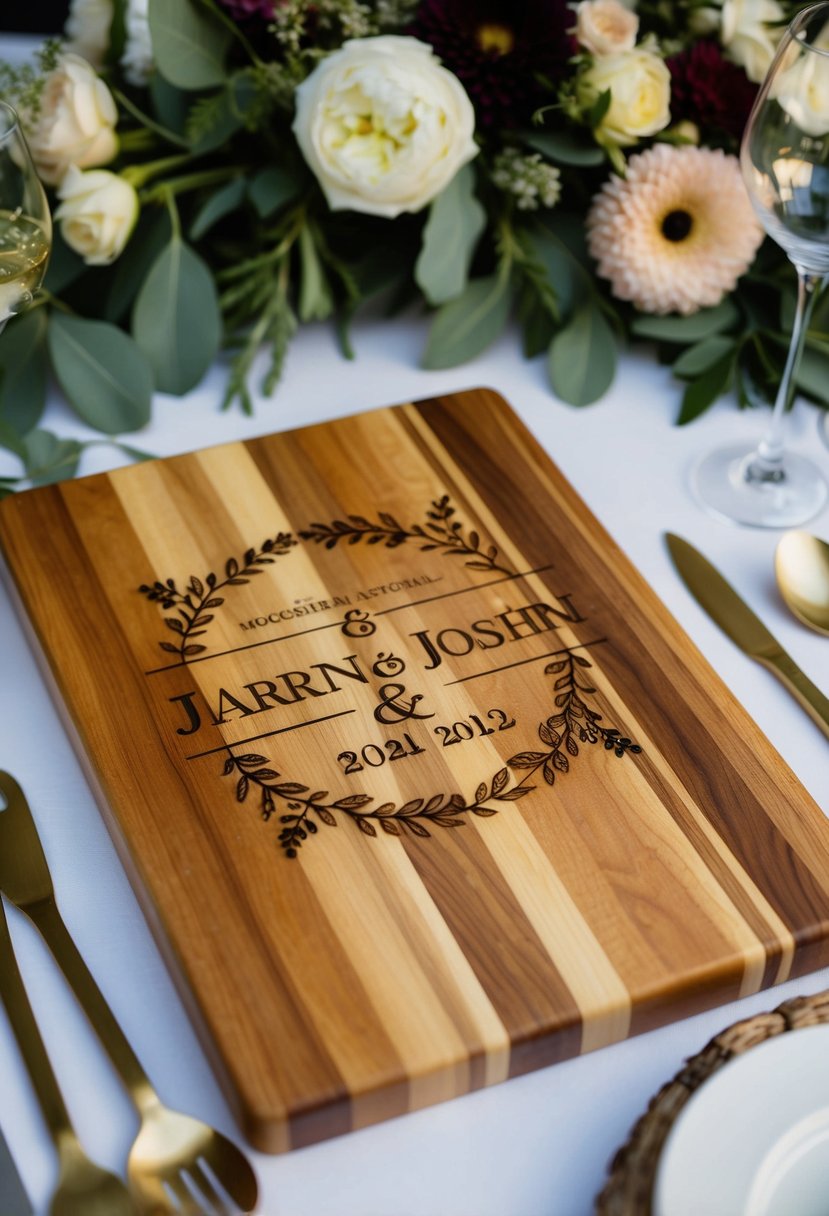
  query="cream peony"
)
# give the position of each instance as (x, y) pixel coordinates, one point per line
(383, 126)
(640, 87)
(605, 27)
(803, 92)
(749, 36)
(97, 213)
(75, 124)
(87, 29)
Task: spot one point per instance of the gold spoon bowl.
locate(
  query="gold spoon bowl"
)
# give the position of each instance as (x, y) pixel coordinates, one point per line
(801, 565)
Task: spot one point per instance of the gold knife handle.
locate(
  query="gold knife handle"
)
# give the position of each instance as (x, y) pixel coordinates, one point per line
(49, 921)
(800, 686)
(32, 1048)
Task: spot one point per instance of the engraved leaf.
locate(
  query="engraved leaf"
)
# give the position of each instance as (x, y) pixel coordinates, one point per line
(196, 648)
(572, 746)
(267, 774)
(457, 801)
(365, 826)
(173, 623)
(410, 808)
(231, 567)
(386, 809)
(417, 829)
(318, 796)
(500, 781)
(549, 772)
(483, 812)
(168, 646)
(289, 788)
(561, 762)
(547, 735)
(388, 825)
(250, 758)
(433, 803)
(242, 789)
(229, 767)
(515, 793)
(326, 816)
(526, 759)
(474, 540)
(353, 802)
(552, 668)
(480, 793)
(581, 660)
(196, 586)
(216, 602)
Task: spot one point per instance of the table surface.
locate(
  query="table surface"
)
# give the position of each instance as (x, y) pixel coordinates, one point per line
(536, 1145)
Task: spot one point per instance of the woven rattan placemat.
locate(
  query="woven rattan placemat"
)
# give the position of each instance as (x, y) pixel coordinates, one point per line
(629, 1188)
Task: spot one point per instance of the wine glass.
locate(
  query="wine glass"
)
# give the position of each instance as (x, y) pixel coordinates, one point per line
(25, 222)
(785, 163)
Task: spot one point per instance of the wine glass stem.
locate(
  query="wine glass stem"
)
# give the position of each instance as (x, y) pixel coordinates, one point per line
(767, 462)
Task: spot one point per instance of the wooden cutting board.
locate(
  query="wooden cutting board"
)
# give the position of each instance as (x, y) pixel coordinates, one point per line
(419, 783)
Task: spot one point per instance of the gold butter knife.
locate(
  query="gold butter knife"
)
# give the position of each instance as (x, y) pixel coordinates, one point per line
(746, 630)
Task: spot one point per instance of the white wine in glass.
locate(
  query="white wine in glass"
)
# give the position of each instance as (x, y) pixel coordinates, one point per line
(785, 163)
(25, 222)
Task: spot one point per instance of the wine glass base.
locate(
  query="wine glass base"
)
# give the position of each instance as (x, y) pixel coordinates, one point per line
(721, 485)
(823, 427)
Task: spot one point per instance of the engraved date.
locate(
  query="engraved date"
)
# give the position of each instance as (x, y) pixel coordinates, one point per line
(473, 727)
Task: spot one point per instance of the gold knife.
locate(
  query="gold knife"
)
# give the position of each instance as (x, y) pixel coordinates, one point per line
(746, 630)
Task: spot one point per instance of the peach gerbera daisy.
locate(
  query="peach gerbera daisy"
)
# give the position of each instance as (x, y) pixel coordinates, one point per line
(676, 233)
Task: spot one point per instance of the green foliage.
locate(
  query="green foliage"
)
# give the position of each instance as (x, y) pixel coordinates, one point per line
(189, 45)
(467, 325)
(23, 371)
(456, 221)
(102, 372)
(175, 319)
(583, 355)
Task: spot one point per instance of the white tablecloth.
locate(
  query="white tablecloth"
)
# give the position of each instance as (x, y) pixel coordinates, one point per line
(534, 1146)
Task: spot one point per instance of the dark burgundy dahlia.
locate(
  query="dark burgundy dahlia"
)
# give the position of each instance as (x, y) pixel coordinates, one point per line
(709, 90)
(244, 10)
(500, 50)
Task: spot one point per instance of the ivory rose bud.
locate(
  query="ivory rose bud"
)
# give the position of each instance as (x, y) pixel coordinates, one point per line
(97, 213)
(640, 89)
(604, 27)
(383, 126)
(749, 36)
(75, 124)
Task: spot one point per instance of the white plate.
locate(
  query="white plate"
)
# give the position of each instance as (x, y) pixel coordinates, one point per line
(754, 1139)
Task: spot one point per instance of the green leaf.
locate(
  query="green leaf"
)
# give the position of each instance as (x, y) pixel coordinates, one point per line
(599, 108)
(49, 459)
(102, 372)
(176, 320)
(12, 441)
(23, 370)
(687, 330)
(704, 391)
(468, 324)
(812, 376)
(564, 147)
(456, 221)
(171, 105)
(536, 323)
(189, 46)
(151, 235)
(271, 189)
(582, 359)
(697, 359)
(220, 204)
(570, 280)
(315, 299)
(65, 266)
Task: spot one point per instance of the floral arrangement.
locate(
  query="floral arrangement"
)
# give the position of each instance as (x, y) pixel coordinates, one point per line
(222, 171)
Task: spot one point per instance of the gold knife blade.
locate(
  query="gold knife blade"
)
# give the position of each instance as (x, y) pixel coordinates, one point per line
(725, 607)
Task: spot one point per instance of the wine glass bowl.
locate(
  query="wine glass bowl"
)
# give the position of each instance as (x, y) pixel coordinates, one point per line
(25, 222)
(784, 158)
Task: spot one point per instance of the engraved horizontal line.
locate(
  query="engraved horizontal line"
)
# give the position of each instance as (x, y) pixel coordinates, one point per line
(430, 599)
(221, 654)
(282, 730)
(520, 662)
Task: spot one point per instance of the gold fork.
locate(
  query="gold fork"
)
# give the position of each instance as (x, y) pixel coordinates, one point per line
(177, 1164)
(83, 1188)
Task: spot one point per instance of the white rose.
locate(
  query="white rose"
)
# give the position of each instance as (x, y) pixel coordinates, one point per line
(640, 88)
(137, 59)
(748, 35)
(75, 124)
(87, 29)
(97, 214)
(604, 27)
(803, 92)
(383, 126)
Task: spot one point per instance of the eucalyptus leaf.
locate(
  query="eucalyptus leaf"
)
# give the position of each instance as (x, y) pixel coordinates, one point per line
(685, 331)
(151, 235)
(176, 320)
(315, 299)
(537, 326)
(222, 203)
(49, 459)
(456, 221)
(698, 358)
(12, 441)
(467, 325)
(704, 391)
(272, 188)
(564, 147)
(212, 121)
(583, 356)
(102, 372)
(23, 371)
(171, 105)
(569, 279)
(189, 45)
(812, 376)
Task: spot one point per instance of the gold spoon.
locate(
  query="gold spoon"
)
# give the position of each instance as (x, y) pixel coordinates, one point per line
(801, 565)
